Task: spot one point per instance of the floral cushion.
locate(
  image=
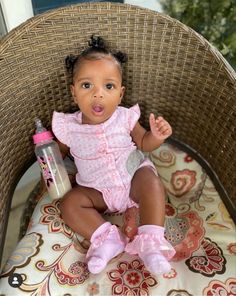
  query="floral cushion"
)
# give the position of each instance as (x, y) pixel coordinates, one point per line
(50, 259)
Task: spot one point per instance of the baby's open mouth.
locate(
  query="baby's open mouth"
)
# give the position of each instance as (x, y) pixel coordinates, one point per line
(98, 110)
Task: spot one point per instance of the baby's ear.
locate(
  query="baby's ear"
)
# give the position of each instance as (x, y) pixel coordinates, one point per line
(122, 92)
(72, 89)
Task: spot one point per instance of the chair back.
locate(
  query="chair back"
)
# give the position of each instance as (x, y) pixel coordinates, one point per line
(171, 70)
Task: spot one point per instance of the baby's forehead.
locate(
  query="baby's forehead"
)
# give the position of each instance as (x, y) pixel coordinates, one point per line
(102, 60)
(99, 57)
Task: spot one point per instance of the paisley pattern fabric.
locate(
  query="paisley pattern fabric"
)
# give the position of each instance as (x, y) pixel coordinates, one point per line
(51, 257)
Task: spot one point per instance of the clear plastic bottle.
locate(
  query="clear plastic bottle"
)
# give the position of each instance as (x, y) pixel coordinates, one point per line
(51, 162)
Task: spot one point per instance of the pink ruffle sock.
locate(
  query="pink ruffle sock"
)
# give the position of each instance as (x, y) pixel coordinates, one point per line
(106, 243)
(152, 247)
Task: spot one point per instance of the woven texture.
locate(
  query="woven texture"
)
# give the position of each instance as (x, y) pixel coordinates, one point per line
(171, 71)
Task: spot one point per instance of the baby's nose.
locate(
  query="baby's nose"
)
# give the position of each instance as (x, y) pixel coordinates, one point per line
(98, 92)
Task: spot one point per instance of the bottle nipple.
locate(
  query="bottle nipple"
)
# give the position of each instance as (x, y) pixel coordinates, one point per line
(39, 126)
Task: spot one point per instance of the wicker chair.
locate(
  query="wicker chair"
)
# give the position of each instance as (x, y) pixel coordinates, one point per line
(171, 70)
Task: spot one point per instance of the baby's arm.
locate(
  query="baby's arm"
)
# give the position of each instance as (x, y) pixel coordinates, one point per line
(147, 141)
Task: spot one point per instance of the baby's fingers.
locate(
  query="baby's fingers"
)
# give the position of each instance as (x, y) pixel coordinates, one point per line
(163, 126)
(152, 120)
(167, 131)
(155, 121)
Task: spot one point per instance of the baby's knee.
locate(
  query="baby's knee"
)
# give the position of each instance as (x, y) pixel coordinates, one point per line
(66, 203)
(73, 200)
(155, 190)
(155, 185)
(160, 184)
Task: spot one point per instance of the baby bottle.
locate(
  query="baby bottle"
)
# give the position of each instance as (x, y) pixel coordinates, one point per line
(51, 162)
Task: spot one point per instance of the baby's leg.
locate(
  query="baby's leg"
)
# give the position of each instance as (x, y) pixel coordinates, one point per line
(150, 243)
(148, 191)
(80, 209)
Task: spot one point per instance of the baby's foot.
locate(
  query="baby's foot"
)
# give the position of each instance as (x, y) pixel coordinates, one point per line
(104, 247)
(152, 247)
(98, 261)
(155, 262)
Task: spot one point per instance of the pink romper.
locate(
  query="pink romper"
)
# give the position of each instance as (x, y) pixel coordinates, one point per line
(105, 155)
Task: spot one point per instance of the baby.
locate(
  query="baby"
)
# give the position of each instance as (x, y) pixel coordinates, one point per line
(106, 141)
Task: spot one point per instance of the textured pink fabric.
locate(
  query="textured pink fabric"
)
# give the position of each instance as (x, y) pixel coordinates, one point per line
(150, 238)
(106, 243)
(100, 231)
(152, 247)
(104, 154)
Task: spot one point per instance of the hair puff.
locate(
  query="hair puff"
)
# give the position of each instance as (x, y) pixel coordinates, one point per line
(70, 61)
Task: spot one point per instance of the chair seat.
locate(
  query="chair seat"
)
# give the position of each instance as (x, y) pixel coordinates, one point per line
(51, 258)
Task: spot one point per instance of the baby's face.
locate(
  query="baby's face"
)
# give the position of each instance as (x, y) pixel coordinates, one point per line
(97, 89)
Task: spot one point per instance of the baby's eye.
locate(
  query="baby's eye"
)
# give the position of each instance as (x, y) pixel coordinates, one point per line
(109, 86)
(86, 85)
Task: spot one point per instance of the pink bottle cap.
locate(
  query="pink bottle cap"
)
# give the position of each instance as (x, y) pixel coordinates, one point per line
(47, 135)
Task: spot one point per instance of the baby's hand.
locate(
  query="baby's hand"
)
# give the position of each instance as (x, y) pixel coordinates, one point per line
(160, 128)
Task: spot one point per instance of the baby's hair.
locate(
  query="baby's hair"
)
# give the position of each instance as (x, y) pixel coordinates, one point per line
(97, 49)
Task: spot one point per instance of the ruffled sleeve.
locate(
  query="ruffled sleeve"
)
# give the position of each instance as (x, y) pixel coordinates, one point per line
(133, 116)
(59, 127)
